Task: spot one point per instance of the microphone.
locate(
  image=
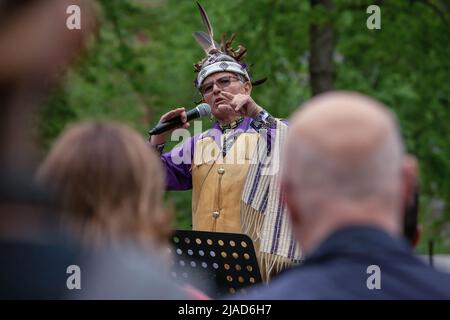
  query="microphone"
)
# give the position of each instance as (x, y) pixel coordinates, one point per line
(202, 110)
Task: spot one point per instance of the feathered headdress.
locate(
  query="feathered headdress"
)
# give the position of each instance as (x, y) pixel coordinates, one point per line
(221, 57)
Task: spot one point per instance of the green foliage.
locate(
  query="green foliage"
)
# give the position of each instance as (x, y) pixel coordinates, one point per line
(406, 65)
(141, 65)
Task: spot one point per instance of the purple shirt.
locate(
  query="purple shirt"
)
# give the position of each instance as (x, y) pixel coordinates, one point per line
(179, 173)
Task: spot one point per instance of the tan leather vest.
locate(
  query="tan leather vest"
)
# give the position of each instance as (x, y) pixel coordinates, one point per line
(218, 182)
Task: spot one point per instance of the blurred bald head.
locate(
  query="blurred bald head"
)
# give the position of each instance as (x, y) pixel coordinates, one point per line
(344, 158)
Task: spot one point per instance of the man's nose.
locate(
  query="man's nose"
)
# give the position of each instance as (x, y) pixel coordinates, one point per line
(216, 89)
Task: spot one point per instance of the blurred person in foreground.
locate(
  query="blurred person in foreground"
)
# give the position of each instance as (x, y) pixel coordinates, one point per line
(111, 184)
(347, 180)
(35, 50)
(36, 259)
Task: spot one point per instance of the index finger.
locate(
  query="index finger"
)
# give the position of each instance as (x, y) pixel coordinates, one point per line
(171, 114)
(228, 95)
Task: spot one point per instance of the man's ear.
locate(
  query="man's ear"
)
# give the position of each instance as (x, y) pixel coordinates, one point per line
(409, 173)
(248, 87)
(289, 199)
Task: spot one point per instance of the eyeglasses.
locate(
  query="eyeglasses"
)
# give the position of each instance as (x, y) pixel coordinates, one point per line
(223, 82)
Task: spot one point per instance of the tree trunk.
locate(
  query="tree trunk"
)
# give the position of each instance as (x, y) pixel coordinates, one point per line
(321, 66)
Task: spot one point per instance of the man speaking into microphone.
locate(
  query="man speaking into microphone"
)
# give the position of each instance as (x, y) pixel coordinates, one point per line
(229, 192)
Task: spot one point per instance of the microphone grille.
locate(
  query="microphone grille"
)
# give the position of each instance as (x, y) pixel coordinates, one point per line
(204, 109)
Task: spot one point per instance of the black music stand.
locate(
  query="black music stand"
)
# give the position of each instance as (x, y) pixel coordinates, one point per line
(227, 261)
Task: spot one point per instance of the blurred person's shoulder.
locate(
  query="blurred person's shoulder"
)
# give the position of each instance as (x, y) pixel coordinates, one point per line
(342, 266)
(40, 260)
(297, 283)
(34, 270)
(126, 272)
(33, 255)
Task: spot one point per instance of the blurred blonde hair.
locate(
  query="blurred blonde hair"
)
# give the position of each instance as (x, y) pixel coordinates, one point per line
(110, 184)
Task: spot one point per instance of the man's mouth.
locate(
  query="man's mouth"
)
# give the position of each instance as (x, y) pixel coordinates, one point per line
(218, 101)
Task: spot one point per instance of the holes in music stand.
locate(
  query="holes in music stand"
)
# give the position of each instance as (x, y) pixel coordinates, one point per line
(225, 259)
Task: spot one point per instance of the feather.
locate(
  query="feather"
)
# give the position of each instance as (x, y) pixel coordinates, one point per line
(240, 53)
(230, 41)
(224, 43)
(216, 45)
(207, 25)
(204, 41)
(258, 82)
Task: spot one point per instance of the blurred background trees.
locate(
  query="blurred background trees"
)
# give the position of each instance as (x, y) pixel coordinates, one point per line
(141, 65)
